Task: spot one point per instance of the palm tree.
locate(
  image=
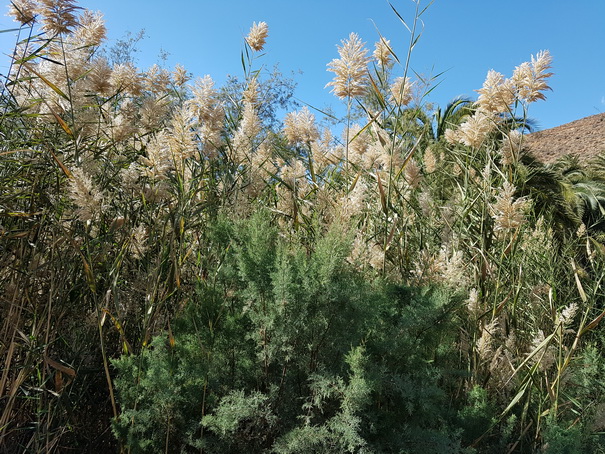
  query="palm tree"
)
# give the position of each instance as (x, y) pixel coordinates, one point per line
(551, 196)
(587, 183)
(567, 191)
(453, 115)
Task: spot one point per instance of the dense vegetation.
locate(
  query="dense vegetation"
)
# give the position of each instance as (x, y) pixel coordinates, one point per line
(183, 271)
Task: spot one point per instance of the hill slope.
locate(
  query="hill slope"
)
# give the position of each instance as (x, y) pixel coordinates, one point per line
(584, 138)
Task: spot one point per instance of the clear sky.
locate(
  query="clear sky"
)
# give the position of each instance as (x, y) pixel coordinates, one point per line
(462, 38)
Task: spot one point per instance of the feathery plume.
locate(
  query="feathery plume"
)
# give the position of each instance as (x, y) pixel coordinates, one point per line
(85, 195)
(568, 313)
(250, 94)
(426, 268)
(473, 304)
(401, 91)
(153, 112)
(180, 75)
(429, 160)
(382, 52)
(497, 94)
(451, 136)
(323, 151)
(210, 135)
(359, 143)
(58, 16)
(121, 128)
(249, 128)
(453, 267)
(159, 160)
(76, 57)
(205, 100)
(350, 70)
(91, 30)
(257, 36)
(210, 113)
(250, 124)
(300, 127)
(99, 77)
(474, 131)
(262, 159)
(412, 174)
(180, 135)
(379, 153)
(129, 177)
(23, 11)
(366, 252)
(529, 78)
(353, 203)
(157, 79)
(486, 341)
(126, 78)
(293, 173)
(547, 354)
(376, 157)
(508, 214)
(500, 368)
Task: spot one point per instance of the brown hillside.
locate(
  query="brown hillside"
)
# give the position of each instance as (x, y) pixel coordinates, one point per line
(584, 138)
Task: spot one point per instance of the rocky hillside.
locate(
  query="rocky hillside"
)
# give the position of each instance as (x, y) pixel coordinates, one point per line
(584, 138)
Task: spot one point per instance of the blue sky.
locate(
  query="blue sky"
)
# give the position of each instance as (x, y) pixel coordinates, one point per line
(461, 38)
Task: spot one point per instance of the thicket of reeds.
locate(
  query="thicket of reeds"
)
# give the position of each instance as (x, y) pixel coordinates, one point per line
(182, 271)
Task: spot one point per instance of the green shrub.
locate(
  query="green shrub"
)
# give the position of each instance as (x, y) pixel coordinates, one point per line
(286, 348)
